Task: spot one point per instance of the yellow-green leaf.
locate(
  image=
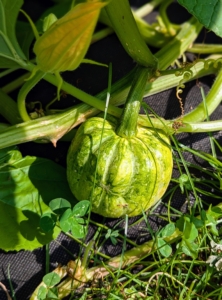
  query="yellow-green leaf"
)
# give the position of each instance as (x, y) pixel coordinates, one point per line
(63, 46)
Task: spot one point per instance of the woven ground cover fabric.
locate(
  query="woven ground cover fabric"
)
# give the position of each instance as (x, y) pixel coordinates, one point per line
(27, 268)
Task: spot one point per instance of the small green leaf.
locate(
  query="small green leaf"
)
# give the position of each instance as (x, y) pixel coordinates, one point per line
(190, 248)
(115, 233)
(59, 205)
(51, 279)
(81, 208)
(180, 223)
(208, 13)
(215, 212)
(214, 230)
(84, 296)
(52, 294)
(168, 230)
(183, 178)
(108, 234)
(47, 222)
(203, 215)
(211, 219)
(66, 220)
(48, 21)
(164, 248)
(79, 220)
(78, 230)
(197, 222)
(42, 292)
(69, 222)
(184, 183)
(190, 232)
(112, 235)
(113, 240)
(9, 155)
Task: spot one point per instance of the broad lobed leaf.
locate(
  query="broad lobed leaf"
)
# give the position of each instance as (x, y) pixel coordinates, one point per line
(26, 187)
(208, 13)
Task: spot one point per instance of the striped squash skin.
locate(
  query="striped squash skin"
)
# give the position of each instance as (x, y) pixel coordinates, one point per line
(132, 174)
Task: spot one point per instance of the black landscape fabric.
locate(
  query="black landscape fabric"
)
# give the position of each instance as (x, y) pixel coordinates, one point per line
(28, 268)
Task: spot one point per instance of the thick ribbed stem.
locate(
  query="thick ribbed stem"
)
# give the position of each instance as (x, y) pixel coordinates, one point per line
(128, 119)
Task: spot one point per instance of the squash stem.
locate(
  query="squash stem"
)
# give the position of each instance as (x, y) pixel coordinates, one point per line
(124, 25)
(129, 117)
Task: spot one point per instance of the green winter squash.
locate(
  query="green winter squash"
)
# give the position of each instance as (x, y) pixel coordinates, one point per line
(134, 164)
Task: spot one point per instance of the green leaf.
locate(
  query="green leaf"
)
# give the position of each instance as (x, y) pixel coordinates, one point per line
(168, 230)
(215, 212)
(9, 154)
(81, 208)
(184, 183)
(47, 222)
(52, 294)
(66, 220)
(69, 222)
(197, 222)
(214, 230)
(25, 36)
(180, 223)
(208, 13)
(26, 187)
(190, 248)
(10, 53)
(59, 205)
(9, 10)
(113, 240)
(78, 230)
(203, 215)
(51, 279)
(164, 248)
(84, 296)
(8, 63)
(48, 21)
(42, 292)
(190, 232)
(188, 228)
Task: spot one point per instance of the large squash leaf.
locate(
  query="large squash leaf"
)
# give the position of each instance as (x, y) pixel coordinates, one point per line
(26, 187)
(208, 13)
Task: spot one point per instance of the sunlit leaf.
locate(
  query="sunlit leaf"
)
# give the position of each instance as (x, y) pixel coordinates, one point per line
(164, 248)
(26, 187)
(208, 13)
(69, 222)
(81, 208)
(51, 279)
(52, 294)
(78, 230)
(190, 232)
(63, 46)
(42, 292)
(66, 220)
(168, 230)
(190, 248)
(215, 212)
(48, 21)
